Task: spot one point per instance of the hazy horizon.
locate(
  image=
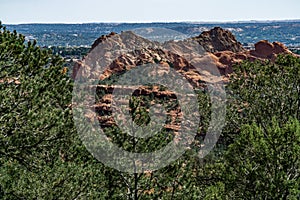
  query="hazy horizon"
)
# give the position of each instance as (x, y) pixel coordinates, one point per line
(149, 22)
(133, 11)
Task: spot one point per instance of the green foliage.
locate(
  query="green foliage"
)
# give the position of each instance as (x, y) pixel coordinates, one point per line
(263, 164)
(77, 52)
(262, 161)
(37, 133)
(34, 95)
(41, 156)
(259, 91)
(36, 121)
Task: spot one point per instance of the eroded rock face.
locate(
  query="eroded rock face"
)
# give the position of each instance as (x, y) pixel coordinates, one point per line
(101, 39)
(121, 59)
(218, 39)
(221, 46)
(266, 50)
(263, 49)
(222, 51)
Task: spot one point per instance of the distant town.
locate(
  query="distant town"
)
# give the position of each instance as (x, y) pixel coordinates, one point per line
(82, 35)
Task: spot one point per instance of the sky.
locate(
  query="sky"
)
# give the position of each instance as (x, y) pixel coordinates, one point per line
(86, 11)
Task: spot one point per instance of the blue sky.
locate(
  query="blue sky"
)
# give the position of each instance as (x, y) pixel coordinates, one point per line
(75, 11)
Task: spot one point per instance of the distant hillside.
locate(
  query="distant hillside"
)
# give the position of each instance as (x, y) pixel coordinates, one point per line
(247, 33)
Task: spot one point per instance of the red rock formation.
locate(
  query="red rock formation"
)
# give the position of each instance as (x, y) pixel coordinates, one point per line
(223, 51)
(101, 39)
(267, 50)
(218, 39)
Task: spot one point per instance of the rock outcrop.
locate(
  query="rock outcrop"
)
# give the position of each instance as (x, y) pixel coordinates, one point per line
(101, 39)
(218, 39)
(221, 46)
(221, 50)
(266, 50)
(263, 50)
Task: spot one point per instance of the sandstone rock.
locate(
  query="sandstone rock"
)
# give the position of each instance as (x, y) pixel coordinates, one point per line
(241, 56)
(280, 48)
(267, 50)
(223, 49)
(100, 39)
(219, 39)
(263, 49)
(225, 59)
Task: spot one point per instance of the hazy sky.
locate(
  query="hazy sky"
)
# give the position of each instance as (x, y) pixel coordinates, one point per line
(75, 11)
